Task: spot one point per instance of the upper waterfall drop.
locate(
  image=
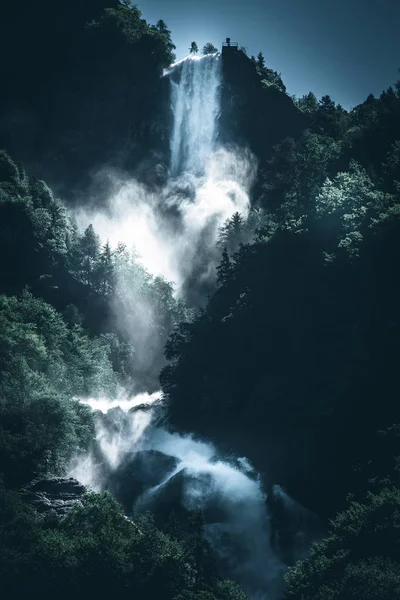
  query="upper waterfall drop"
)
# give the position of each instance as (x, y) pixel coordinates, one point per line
(195, 97)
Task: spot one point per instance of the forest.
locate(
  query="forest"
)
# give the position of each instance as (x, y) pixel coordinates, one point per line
(289, 358)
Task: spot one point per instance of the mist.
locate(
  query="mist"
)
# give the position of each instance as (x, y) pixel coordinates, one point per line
(227, 491)
(173, 230)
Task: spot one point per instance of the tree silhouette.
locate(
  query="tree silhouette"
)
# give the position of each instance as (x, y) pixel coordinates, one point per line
(209, 48)
(162, 27)
(193, 48)
(260, 61)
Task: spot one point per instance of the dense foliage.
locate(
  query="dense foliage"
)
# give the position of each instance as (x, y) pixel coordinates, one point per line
(44, 365)
(360, 557)
(87, 90)
(60, 340)
(293, 361)
(268, 76)
(305, 316)
(89, 283)
(96, 551)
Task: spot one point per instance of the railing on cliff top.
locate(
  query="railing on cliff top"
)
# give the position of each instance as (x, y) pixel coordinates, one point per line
(228, 47)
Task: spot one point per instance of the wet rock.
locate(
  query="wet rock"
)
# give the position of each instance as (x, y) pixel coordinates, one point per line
(293, 527)
(53, 498)
(251, 114)
(139, 471)
(182, 494)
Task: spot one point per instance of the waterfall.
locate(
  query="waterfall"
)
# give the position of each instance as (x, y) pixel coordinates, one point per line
(175, 230)
(196, 107)
(183, 471)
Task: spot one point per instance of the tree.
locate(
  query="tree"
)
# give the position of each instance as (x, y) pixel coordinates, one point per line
(330, 119)
(268, 76)
(89, 251)
(232, 233)
(297, 168)
(105, 271)
(308, 103)
(193, 48)
(44, 364)
(360, 559)
(224, 268)
(260, 61)
(209, 48)
(162, 27)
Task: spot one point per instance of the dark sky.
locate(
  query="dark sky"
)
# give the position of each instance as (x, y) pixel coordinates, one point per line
(344, 48)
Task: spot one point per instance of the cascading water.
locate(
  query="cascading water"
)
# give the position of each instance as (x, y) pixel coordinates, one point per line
(183, 471)
(196, 105)
(174, 228)
(134, 455)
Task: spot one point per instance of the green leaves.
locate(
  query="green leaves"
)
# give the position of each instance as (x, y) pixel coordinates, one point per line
(44, 365)
(268, 77)
(124, 25)
(95, 550)
(209, 48)
(297, 169)
(346, 207)
(360, 558)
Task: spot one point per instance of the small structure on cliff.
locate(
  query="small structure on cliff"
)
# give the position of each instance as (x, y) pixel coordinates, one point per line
(229, 47)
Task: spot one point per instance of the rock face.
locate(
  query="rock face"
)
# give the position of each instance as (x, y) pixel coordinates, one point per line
(53, 498)
(139, 472)
(93, 100)
(251, 114)
(293, 527)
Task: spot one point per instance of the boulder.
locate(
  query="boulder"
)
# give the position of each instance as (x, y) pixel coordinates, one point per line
(53, 498)
(293, 527)
(139, 471)
(183, 493)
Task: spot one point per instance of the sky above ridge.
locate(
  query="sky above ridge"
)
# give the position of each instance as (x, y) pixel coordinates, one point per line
(344, 48)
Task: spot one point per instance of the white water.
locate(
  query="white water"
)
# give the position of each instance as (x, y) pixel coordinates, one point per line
(196, 106)
(206, 186)
(174, 227)
(240, 535)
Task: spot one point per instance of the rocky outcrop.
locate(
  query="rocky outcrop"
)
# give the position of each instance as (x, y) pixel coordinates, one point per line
(53, 498)
(252, 114)
(81, 98)
(292, 527)
(139, 472)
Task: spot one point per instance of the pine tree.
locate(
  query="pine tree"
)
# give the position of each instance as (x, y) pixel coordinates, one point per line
(308, 103)
(105, 271)
(162, 27)
(224, 268)
(260, 62)
(89, 255)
